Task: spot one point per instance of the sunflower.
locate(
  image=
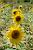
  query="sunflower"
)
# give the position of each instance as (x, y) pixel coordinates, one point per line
(20, 6)
(17, 16)
(15, 35)
(15, 12)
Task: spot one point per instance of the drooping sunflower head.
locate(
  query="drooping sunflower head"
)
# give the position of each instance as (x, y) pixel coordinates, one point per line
(17, 15)
(15, 35)
(20, 6)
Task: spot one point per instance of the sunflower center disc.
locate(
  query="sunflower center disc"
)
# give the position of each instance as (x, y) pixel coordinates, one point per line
(15, 34)
(15, 12)
(18, 18)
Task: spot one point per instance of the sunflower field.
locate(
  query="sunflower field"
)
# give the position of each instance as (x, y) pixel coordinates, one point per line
(16, 24)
